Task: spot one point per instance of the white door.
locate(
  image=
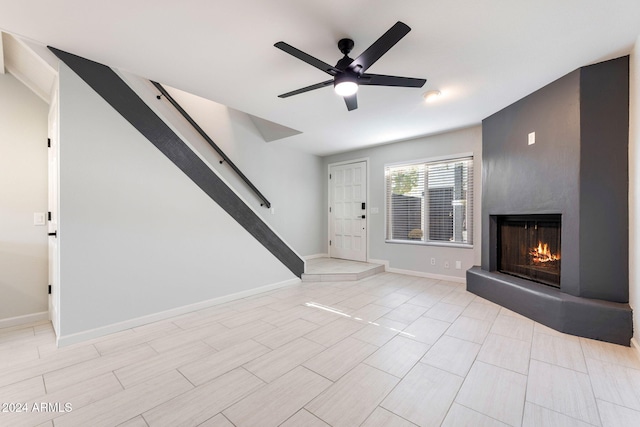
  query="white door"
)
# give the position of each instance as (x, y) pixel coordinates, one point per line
(347, 211)
(54, 297)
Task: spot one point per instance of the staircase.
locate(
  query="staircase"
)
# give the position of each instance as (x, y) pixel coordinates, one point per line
(129, 105)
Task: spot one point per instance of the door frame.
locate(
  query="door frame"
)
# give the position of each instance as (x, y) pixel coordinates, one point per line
(53, 196)
(367, 210)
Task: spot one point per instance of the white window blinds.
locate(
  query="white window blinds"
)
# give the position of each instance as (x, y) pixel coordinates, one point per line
(430, 201)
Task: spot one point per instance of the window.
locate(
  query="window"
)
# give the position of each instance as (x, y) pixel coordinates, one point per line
(430, 202)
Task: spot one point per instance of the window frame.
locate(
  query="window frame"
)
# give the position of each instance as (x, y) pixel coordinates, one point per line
(437, 159)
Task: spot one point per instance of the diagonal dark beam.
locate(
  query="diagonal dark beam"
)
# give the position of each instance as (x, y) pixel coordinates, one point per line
(125, 101)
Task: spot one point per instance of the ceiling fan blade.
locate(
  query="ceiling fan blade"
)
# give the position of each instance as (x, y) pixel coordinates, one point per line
(380, 47)
(381, 80)
(321, 65)
(306, 89)
(351, 101)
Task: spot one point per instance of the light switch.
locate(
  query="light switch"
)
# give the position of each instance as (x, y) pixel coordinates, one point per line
(532, 138)
(38, 218)
(374, 211)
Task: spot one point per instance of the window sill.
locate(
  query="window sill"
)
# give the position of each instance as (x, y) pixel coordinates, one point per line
(423, 243)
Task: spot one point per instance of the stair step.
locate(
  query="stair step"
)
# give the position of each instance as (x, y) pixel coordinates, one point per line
(369, 270)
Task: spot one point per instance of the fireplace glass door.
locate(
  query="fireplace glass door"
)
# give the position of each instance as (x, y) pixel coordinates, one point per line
(529, 247)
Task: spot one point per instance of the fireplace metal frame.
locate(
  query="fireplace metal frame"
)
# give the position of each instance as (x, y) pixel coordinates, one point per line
(529, 218)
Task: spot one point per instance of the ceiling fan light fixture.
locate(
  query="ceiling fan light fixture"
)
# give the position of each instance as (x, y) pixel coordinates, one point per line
(349, 73)
(346, 88)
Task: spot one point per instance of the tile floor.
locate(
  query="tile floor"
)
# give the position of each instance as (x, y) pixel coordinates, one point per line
(388, 350)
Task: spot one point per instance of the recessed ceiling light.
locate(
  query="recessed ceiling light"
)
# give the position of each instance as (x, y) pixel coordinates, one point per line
(431, 95)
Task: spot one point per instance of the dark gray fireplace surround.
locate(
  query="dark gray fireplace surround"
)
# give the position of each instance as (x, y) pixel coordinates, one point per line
(577, 168)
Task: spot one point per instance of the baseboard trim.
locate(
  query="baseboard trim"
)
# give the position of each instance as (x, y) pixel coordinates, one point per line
(22, 320)
(418, 273)
(66, 340)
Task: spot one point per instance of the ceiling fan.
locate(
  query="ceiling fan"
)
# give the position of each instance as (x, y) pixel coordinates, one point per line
(349, 73)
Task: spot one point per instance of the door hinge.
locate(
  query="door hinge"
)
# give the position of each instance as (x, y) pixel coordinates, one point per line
(329, 242)
(329, 209)
(49, 142)
(49, 216)
(49, 289)
(329, 176)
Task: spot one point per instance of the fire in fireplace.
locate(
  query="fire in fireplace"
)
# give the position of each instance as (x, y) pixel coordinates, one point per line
(529, 247)
(541, 253)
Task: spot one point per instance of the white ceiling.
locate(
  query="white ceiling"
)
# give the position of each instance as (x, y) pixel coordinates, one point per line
(482, 54)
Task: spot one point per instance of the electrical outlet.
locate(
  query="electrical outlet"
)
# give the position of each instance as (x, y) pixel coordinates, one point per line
(458, 265)
(433, 261)
(446, 264)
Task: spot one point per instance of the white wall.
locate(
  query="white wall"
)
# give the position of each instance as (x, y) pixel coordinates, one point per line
(407, 256)
(291, 180)
(23, 191)
(136, 236)
(634, 187)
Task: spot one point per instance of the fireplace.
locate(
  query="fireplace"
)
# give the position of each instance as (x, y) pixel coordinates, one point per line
(529, 247)
(568, 271)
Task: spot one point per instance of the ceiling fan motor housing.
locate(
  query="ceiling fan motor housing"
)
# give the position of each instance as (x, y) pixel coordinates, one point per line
(345, 46)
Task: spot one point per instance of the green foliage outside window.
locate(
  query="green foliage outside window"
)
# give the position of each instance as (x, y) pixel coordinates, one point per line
(403, 182)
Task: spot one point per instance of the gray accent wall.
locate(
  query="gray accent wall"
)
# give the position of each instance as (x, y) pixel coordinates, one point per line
(23, 191)
(634, 184)
(576, 168)
(411, 257)
(604, 180)
(136, 236)
(543, 178)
